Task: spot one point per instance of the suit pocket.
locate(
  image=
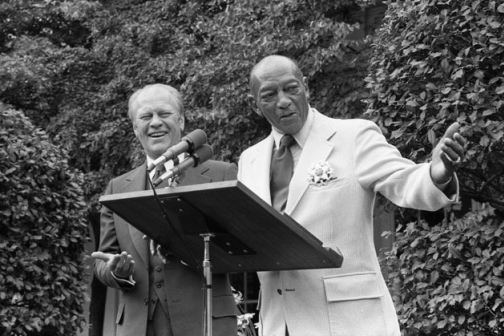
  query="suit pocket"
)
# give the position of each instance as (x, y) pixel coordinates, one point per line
(354, 304)
(224, 305)
(337, 183)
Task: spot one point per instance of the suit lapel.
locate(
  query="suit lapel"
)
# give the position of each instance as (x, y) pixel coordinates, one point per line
(317, 148)
(261, 169)
(137, 181)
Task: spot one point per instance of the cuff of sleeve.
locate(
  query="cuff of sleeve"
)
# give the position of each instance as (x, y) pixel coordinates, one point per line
(442, 186)
(450, 188)
(124, 283)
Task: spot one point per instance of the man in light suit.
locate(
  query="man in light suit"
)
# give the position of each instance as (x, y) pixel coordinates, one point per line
(339, 166)
(161, 296)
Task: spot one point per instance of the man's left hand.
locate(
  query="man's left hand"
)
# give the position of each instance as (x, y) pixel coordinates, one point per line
(447, 155)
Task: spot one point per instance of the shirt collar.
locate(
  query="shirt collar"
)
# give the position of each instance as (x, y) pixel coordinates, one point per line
(300, 136)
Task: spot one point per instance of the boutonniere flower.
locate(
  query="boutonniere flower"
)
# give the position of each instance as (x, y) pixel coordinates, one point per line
(320, 173)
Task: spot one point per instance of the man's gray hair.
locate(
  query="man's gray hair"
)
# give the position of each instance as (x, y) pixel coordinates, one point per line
(169, 91)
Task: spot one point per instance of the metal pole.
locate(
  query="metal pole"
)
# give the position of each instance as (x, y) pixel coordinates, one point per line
(207, 271)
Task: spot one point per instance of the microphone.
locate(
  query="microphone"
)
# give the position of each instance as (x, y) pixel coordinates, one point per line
(187, 144)
(199, 156)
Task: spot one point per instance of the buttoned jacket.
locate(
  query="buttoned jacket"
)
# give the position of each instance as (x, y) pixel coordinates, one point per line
(184, 286)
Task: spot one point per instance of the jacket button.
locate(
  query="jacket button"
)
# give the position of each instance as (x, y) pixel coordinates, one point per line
(159, 269)
(279, 291)
(146, 302)
(159, 285)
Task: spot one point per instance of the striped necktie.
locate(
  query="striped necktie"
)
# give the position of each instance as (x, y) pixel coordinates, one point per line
(160, 170)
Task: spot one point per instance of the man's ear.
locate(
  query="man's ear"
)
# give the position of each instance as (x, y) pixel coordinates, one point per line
(307, 89)
(135, 129)
(181, 122)
(253, 105)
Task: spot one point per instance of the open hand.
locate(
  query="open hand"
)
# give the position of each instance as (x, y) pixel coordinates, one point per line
(121, 265)
(447, 155)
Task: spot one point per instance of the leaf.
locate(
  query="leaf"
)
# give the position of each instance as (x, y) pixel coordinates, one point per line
(431, 136)
(466, 304)
(446, 90)
(431, 86)
(497, 136)
(445, 65)
(434, 276)
(479, 74)
(488, 112)
(458, 74)
(484, 141)
(441, 324)
(10, 170)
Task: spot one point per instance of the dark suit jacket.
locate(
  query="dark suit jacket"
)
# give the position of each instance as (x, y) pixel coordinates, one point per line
(184, 285)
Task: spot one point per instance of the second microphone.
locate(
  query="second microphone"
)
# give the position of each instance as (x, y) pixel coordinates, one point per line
(187, 144)
(200, 155)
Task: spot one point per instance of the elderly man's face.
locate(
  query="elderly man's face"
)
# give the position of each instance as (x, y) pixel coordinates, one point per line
(157, 122)
(281, 95)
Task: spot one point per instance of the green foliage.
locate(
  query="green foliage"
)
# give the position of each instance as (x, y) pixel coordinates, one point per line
(313, 33)
(42, 233)
(437, 62)
(448, 279)
(76, 86)
(434, 63)
(71, 66)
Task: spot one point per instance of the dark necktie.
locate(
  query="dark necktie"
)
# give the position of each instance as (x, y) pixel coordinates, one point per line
(282, 167)
(160, 170)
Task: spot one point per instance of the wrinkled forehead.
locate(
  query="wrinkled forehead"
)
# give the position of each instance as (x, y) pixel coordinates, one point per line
(154, 97)
(276, 70)
(156, 93)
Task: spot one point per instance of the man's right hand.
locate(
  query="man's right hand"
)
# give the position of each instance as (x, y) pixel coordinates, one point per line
(121, 265)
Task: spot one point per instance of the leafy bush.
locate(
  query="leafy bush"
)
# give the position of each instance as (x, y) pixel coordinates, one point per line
(436, 62)
(449, 279)
(77, 91)
(42, 233)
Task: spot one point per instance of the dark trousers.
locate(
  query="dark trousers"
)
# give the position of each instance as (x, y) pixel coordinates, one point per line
(160, 325)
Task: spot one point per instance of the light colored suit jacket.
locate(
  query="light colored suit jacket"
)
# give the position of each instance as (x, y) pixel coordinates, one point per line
(353, 299)
(183, 285)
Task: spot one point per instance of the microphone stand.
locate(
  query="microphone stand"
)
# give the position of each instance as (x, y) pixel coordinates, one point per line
(207, 268)
(207, 272)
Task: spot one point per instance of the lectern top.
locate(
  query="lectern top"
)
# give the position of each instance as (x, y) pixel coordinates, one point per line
(249, 235)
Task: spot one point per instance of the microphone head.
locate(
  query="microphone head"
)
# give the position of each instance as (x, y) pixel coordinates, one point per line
(196, 138)
(202, 154)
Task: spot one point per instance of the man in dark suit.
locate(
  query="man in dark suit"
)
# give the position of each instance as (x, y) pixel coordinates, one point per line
(160, 295)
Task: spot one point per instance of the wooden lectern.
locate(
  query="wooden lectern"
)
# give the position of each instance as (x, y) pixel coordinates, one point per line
(242, 232)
